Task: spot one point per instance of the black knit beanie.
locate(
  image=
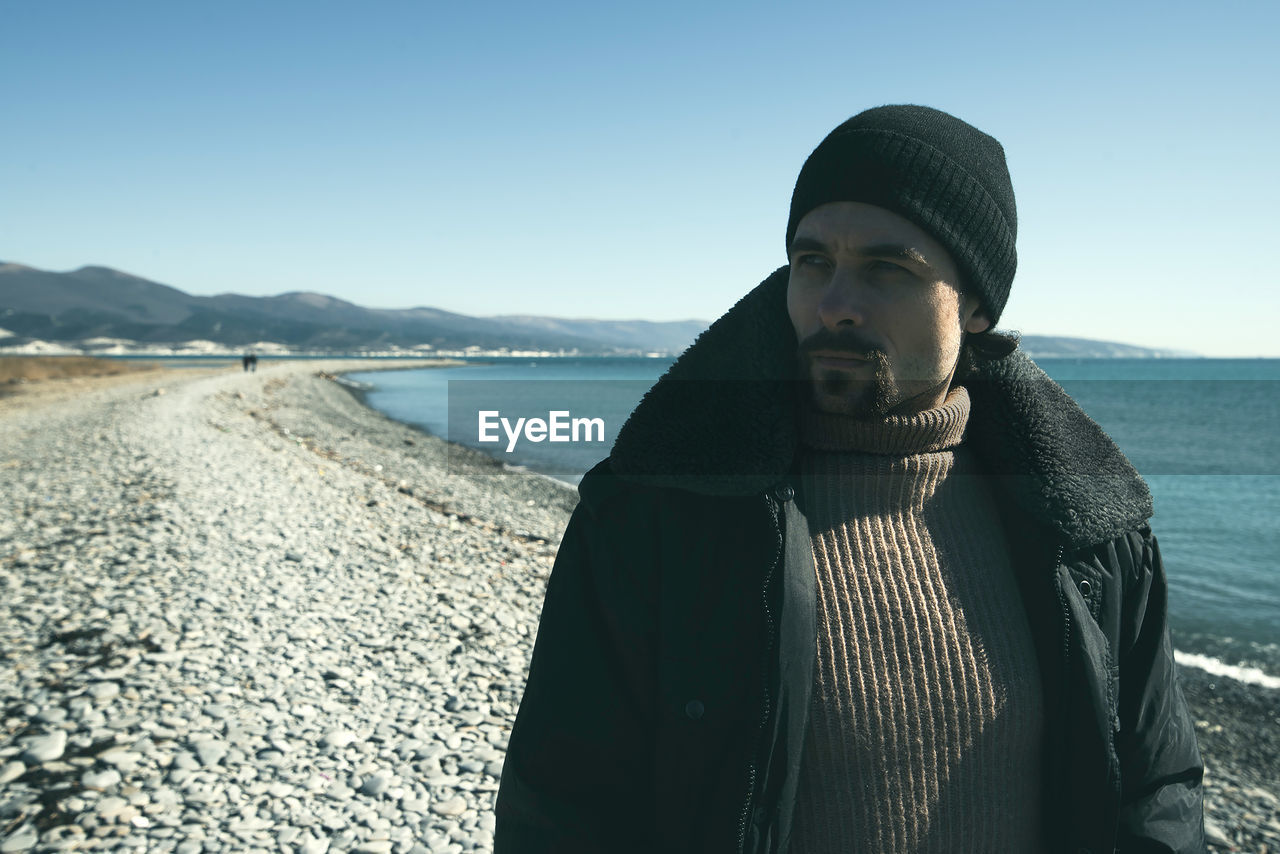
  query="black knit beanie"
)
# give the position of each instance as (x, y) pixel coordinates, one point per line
(944, 175)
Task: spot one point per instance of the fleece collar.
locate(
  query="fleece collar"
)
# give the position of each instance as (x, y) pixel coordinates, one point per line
(721, 421)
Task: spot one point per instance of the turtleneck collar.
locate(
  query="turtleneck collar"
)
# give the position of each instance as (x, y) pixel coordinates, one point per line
(896, 435)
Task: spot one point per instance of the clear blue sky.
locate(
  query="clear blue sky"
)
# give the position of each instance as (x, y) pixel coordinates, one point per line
(590, 160)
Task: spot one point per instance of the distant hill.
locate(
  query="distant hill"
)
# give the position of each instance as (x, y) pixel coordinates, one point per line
(1053, 347)
(85, 307)
(669, 336)
(101, 303)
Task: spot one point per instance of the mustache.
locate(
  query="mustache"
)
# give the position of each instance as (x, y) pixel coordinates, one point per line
(847, 341)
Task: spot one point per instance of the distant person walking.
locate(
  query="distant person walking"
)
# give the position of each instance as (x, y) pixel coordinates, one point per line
(244, 360)
(250, 362)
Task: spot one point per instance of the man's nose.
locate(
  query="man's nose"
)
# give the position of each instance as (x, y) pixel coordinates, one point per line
(842, 301)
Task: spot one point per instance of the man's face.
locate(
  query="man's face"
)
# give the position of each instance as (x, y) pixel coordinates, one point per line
(876, 305)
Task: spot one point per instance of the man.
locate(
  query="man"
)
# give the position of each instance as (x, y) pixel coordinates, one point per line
(857, 576)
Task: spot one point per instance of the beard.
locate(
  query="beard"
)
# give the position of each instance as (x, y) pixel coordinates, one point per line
(839, 392)
(868, 391)
(872, 387)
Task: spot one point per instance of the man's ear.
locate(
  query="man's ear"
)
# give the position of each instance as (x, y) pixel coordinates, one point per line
(977, 322)
(975, 319)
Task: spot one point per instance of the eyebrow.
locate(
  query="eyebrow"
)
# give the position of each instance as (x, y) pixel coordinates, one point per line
(893, 251)
(897, 252)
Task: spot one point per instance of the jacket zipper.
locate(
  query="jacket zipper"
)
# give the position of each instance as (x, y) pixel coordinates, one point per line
(766, 700)
(1062, 603)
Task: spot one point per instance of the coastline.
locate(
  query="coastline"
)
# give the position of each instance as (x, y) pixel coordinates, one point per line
(262, 614)
(461, 457)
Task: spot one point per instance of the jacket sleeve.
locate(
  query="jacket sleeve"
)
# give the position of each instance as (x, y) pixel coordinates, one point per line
(1161, 770)
(578, 770)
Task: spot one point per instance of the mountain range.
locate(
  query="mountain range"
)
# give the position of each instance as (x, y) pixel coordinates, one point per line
(99, 302)
(95, 303)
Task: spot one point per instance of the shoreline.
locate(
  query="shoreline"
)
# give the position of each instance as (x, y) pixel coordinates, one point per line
(473, 458)
(255, 612)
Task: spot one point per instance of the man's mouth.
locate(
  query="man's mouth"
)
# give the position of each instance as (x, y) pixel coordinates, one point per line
(838, 359)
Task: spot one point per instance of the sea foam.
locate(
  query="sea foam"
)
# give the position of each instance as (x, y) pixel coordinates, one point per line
(1240, 673)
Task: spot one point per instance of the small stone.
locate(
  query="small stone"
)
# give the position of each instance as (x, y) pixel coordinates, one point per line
(53, 715)
(340, 791)
(249, 825)
(100, 779)
(46, 748)
(22, 839)
(11, 771)
(456, 805)
(190, 846)
(67, 837)
(337, 739)
(104, 691)
(376, 785)
(166, 797)
(1215, 835)
(373, 846)
(1261, 795)
(312, 845)
(120, 758)
(211, 752)
(110, 807)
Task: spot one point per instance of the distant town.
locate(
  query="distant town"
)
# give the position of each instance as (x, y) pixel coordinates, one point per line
(99, 311)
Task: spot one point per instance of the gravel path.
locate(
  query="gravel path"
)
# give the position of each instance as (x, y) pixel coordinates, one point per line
(234, 619)
(242, 612)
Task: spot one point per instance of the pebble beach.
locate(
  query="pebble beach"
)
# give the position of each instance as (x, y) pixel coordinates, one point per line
(244, 612)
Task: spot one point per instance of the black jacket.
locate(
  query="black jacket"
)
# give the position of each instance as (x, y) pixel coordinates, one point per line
(668, 695)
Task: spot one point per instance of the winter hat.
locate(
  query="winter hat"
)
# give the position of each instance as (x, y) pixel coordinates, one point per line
(943, 174)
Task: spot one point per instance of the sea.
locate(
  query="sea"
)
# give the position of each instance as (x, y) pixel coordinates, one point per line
(1203, 432)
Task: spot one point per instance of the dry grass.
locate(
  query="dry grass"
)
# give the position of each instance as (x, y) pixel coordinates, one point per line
(36, 381)
(29, 369)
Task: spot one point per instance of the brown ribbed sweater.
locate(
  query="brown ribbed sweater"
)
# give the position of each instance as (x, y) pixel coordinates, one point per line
(925, 728)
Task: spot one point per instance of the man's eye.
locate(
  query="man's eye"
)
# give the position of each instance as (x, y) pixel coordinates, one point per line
(810, 260)
(886, 267)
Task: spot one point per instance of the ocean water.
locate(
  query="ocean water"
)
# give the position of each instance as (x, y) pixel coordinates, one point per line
(1202, 432)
